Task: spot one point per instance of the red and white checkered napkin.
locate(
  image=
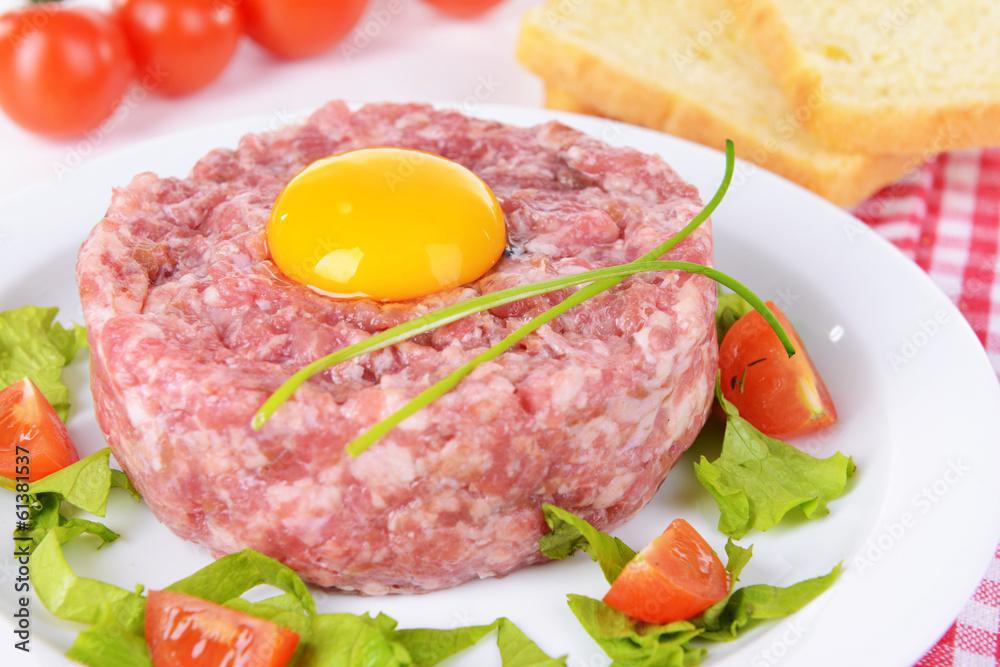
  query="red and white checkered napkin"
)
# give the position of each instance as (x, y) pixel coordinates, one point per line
(946, 217)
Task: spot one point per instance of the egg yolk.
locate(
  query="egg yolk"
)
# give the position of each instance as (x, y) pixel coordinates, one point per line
(385, 223)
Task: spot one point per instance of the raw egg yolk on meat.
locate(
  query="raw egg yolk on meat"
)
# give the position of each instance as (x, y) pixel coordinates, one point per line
(385, 223)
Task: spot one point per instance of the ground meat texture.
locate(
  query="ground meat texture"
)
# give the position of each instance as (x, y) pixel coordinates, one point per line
(191, 327)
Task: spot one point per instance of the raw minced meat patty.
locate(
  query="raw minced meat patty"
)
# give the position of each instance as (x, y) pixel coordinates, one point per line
(191, 327)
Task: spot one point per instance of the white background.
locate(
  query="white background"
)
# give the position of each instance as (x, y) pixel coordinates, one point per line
(402, 50)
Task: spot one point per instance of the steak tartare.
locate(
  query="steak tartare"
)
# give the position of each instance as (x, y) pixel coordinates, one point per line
(191, 327)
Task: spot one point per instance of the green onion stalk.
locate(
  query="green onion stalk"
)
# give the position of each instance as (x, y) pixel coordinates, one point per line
(594, 282)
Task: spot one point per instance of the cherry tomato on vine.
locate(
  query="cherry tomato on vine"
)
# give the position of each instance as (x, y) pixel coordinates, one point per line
(180, 46)
(300, 28)
(463, 8)
(63, 70)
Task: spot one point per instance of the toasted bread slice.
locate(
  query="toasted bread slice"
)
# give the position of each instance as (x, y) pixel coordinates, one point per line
(917, 76)
(686, 67)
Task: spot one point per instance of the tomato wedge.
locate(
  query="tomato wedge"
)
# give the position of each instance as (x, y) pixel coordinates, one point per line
(34, 442)
(782, 396)
(186, 631)
(675, 577)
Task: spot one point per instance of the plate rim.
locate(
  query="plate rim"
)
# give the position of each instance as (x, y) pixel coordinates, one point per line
(881, 245)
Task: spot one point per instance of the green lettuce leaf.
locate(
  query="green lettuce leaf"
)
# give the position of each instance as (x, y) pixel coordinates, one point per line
(749, 605)
(85, 484)
(516, 650)
(569, 533)
(104, 646)
(429, 646)
(731, 308)
(757, 479)
(115, 616)
(233, 575)
(744, 607)
(630, 643)
(31, 345)
(116, 635)
(78, 598)
(736, 559)
(45, 516)
(346, 640)
(285, 609)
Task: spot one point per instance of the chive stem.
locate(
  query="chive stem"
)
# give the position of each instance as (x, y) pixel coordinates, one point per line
(446, 384)
(436, 319)
(600, 280)
(709, 208)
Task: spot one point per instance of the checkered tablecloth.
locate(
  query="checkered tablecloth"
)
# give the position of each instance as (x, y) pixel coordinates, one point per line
(946, 217)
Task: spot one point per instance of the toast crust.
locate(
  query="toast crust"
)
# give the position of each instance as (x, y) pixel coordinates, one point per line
(583, 79)
(849, 120)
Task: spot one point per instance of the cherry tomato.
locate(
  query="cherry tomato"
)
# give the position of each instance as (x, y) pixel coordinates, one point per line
(63, 70)
(34, 442)
(180, 45)
(782, 396)
(463, 8)
(185, 631)
(300, 28)
(675, 577)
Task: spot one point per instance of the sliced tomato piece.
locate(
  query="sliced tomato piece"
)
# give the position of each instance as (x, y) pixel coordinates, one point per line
(186, 631)
(34, 442)
(782, 396)
(675, 577)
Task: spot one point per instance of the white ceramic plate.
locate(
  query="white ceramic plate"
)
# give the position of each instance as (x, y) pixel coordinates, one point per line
(918, 401)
